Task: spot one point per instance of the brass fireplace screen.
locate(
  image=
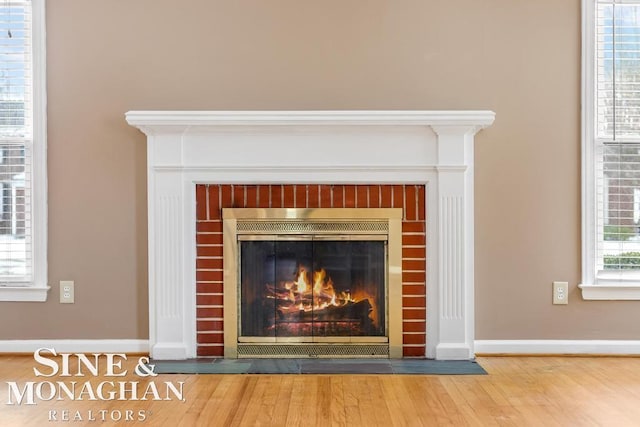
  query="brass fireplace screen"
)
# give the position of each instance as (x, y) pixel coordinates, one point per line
(312, 282)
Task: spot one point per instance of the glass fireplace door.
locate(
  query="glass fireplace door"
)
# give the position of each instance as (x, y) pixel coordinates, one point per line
(313, 288)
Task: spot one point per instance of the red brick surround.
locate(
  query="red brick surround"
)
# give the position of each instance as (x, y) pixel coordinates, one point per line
(210, 200)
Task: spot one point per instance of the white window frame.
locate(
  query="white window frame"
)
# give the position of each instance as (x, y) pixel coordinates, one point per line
(593, 287)
(38, 288)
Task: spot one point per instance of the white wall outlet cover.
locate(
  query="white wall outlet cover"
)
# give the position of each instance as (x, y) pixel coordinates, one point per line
(67, 292)
(561, 292)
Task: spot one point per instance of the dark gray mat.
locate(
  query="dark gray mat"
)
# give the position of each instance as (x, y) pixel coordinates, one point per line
(319, 366)
(346, 366)
(274, 366)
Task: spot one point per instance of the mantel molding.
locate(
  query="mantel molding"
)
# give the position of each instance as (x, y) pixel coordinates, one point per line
(150, 122)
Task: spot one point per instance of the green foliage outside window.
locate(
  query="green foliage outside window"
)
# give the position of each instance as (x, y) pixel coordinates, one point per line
(624, 261)
(618, 233)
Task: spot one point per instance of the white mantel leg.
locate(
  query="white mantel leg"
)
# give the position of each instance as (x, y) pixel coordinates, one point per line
(171, 301)
(455, 243)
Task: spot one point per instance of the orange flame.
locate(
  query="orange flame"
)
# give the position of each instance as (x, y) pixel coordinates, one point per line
(302, 282)
(320, 295)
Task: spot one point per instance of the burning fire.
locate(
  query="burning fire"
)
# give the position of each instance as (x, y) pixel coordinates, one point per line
(320, 295)
(302, 301)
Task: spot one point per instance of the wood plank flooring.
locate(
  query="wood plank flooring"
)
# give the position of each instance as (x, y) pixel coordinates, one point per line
(519, 391)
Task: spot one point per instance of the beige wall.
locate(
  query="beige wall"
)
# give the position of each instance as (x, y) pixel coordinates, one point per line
(518, 58)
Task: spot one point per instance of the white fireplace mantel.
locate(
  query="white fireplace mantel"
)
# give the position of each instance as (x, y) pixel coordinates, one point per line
(434, 148)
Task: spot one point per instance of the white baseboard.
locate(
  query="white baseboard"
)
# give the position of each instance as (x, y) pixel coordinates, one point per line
(76, 346)
(613, 347)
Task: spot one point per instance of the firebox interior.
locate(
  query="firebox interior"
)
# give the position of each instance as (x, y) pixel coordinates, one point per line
(312, 288)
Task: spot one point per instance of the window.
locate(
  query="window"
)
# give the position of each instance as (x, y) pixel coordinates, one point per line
(23, 148)
(611, 149)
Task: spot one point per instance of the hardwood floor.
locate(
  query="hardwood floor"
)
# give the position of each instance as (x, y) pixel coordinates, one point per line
(519, 391)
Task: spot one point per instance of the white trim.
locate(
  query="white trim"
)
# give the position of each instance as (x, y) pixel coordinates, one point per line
(592, 286)
(587, 156)
(76, 346)
(578, 347)
(39, 153)
(146, 120)
(37, 290)
(309, 170)
(24, 293)
(617, 291)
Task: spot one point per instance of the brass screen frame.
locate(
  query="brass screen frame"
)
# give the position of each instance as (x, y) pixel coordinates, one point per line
(368, 223)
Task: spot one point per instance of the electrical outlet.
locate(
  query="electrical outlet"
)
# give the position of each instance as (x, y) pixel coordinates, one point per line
(561, 292)
(67, 292)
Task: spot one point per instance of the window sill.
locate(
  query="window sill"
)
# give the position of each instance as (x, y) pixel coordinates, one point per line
(24, 293)
(611, 291)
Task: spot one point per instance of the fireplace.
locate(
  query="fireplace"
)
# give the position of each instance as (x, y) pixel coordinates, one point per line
(312, 282)
(249, 157)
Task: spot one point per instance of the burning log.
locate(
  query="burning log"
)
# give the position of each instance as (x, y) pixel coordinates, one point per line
(299, 306)
(349, 319)
(350, 311)
(277, 293)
